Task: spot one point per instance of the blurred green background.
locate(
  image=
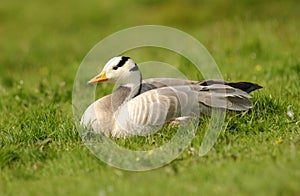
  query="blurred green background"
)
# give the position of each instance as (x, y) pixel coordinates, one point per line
(42, 43)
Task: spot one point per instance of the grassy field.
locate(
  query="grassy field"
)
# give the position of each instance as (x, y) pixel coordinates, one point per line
(43, 43)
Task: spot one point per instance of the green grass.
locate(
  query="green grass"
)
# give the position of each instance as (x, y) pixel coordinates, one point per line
(42, 45)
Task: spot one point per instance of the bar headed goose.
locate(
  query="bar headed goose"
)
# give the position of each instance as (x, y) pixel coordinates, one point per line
(137, 107)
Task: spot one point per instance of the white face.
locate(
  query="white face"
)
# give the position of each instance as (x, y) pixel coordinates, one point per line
(121, 70)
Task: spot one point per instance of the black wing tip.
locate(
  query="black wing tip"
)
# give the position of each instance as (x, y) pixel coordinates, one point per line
(244, 86)
(256, 87)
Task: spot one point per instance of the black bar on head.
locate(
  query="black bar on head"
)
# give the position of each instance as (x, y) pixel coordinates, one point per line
(123, 61)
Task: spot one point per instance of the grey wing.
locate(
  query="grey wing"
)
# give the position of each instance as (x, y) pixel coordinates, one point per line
(175, 101)
(216, 95)
(153, 83)
(151, 110)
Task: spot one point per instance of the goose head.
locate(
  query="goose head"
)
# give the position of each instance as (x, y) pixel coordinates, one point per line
(120, 70)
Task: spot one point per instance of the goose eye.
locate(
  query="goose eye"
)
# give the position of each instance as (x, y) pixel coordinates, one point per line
(115, 67)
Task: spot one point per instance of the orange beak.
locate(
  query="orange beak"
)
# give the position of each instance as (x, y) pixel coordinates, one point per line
(99, 78)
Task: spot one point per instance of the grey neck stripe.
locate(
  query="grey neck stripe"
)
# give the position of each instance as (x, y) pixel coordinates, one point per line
(135, 68)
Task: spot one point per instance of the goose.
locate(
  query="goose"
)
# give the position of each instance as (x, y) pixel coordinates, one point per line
(139, 107)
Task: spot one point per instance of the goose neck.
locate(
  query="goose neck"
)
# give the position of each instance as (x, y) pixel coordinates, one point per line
(134, 89)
